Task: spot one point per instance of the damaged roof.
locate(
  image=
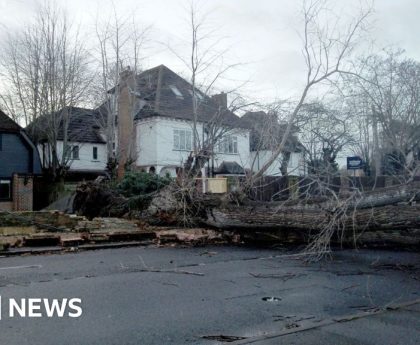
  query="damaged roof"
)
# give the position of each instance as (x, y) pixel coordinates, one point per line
(167, 94)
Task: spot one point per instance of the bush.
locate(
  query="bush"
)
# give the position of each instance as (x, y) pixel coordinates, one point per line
(141, 184)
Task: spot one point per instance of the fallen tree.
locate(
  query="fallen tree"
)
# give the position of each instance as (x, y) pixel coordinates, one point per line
(384, 216)
(96, 199)
(361, 210)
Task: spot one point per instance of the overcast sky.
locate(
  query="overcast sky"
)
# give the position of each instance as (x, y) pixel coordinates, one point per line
(262, 33)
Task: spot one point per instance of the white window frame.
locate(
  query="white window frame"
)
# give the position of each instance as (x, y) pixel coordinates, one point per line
(69, 153)
(182, 139)
(176, 91)
(197, 94)
(95, 148)
(228, 144)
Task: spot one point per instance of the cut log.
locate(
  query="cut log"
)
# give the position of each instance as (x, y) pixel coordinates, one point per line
(386, 217)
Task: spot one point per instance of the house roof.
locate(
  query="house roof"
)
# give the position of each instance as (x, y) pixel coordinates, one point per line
(267, 132)
(7, 124)
(167, 94)
(84, 125)
(10, 126)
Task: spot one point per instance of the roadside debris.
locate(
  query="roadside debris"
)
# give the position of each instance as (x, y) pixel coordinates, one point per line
(223, 338)
(271, 299)
(284, 277)
(194, 236)
(40, 240)
(52, 228)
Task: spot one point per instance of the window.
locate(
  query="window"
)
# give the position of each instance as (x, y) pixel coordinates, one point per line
(67, 152)
(197, 94)
(177, 93)
(95, 153)
(72, 152)
(1, 142)
(182, 139)
(5, 189)
(75, 152)
(229, 144)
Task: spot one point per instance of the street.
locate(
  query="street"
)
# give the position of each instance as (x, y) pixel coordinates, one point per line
(205, 295)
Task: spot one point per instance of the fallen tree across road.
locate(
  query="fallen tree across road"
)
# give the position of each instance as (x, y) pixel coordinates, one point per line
(384, 216)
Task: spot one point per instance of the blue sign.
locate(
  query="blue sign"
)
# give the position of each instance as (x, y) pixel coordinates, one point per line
(354, 163)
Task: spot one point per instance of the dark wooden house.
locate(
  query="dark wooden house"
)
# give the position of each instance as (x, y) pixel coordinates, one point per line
(19, 162)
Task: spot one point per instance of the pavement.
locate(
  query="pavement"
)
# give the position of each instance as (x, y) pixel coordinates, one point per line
(216, 295)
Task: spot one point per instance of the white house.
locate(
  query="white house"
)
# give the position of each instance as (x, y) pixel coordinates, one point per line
(162, 110)
(266, 135)
(154, 131)
(86, 151)
(295, 166)
(161, 104)
(164, 144)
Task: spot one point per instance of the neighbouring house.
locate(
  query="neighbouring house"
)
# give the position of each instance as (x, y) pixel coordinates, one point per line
(19, 162)
(153, 118)
(155, 124)
(85, 151)
(266, 135)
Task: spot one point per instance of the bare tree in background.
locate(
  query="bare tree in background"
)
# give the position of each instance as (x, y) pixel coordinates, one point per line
(121, 41)
(45, 70)
(389, 85)
(325, 130)
(326, 48)
(207, 65)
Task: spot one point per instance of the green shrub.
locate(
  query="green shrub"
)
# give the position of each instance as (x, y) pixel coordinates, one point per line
(141, 184)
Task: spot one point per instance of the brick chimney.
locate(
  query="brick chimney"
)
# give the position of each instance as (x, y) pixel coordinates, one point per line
(126, 130)
(220, 99)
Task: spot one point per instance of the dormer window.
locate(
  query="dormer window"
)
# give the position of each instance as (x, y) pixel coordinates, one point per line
(198, 95)
(177, 93)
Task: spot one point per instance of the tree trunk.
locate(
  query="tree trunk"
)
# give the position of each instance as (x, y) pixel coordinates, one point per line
(383, 215)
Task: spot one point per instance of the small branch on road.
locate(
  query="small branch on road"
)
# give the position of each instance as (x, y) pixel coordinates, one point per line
(157, 270)
(154, 270)
(284, 277)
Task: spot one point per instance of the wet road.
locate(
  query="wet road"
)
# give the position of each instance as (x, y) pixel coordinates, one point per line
(149, 295)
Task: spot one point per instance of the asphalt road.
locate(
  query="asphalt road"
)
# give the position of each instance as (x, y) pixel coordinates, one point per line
(183, 295)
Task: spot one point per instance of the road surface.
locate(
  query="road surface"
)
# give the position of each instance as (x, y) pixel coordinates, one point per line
(148, 295)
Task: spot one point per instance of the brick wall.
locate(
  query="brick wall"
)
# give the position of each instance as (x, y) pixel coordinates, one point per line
(22, 193)
(126, 132)
(6, 206)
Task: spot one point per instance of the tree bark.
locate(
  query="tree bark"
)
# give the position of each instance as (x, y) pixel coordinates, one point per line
(388, 215)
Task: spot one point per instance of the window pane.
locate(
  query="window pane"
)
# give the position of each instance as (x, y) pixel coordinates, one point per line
(176, 139)
(67, 152)
(175, 90)
(222, 145)
(182, 140)
(235, 144)
(5, 190)
(95, 153)
(188, 138)
(76, 152)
